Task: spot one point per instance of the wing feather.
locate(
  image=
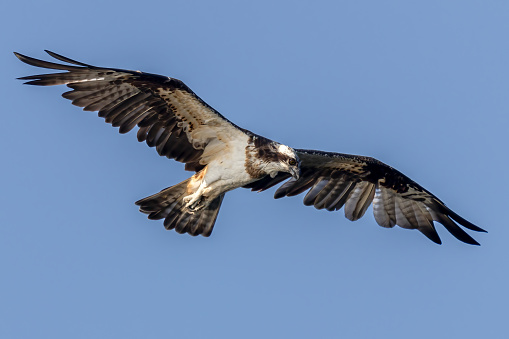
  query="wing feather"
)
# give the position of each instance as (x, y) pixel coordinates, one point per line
(171, 117)
(335, 180)
(312, 194)
(324, 196)
(404, 216)
(294, 187)
(267, 182)
(340, 194)
(359, 200)
(384, 207)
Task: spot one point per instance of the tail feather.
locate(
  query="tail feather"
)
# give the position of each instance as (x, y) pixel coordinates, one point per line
(168, 205)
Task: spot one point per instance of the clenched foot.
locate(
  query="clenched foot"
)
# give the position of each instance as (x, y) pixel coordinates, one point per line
(193, 203)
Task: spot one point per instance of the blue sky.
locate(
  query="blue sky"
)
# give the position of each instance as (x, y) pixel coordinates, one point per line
(422, 86)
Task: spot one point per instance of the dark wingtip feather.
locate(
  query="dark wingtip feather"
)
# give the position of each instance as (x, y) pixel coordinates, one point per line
(25, 59)
(44, 64)
(65, 59)
(457, 231)
(431, 234)
(465, 222)
(279, 194)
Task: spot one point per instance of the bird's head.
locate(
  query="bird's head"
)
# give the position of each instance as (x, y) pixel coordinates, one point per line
(284, 159)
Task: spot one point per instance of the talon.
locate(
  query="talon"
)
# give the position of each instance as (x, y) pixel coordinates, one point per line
(192, 203)
(188, 210)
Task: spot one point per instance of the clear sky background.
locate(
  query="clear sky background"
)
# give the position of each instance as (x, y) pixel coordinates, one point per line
(422, 86)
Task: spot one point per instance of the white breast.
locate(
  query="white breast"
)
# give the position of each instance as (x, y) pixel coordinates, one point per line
(226, 169)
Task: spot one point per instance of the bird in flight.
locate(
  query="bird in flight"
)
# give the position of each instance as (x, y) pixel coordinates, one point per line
(224, 156)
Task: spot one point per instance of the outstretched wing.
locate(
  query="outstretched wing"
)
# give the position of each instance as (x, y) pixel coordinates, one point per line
(335, 180)
(170, 116)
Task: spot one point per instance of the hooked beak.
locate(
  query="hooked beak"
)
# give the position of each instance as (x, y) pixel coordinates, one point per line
(295, 172)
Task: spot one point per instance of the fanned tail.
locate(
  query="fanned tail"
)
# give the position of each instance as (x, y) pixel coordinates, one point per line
(168, 205)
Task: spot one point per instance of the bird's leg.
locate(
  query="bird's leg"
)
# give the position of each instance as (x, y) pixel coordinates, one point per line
(204, 192)
(194, 202)
(198, 200)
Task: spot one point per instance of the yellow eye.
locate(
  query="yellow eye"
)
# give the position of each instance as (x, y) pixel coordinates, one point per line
(292, 162)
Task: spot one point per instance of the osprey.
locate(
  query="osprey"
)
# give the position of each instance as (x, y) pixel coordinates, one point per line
(181, 126)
